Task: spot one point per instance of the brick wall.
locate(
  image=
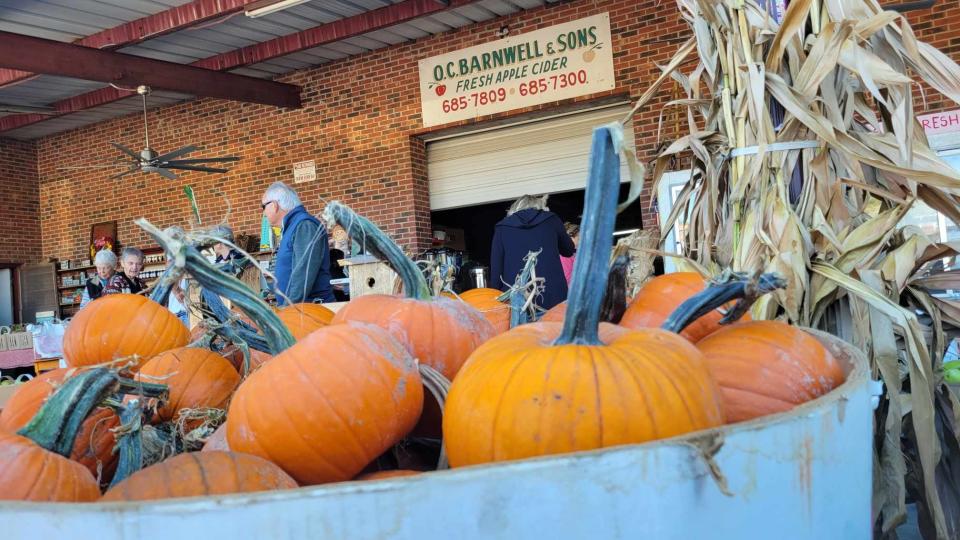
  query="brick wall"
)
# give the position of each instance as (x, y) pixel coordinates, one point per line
(360, 122)
(20, 196)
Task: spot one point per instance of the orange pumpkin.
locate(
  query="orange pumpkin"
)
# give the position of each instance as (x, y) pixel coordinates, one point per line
(196, 378)
(93, 446)
(329, 405)
(301, 319)
(196, 474)
(29, 472)
(495, 311)
(439, 332)
(546, 388)
(32, 463)
(121, 325)
(768, 367)
(380, 475)
(660, 296)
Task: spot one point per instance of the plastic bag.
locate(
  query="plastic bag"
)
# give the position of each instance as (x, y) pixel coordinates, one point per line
(48, 338)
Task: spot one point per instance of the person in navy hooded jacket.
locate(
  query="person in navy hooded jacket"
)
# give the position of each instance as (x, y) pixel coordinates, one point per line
(303, 257)
(531, 226)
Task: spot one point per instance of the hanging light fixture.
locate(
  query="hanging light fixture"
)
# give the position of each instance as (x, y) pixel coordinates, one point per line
(266, 7)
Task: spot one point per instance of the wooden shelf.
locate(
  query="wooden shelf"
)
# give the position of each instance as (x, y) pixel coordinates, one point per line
(67, 287)
(73, 269)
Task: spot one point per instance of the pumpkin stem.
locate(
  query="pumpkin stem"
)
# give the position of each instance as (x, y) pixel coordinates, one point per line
(142, 389)
(184, 255)
(596, 230)
(378, 243)
(128, 442)
(615, 297)
(56, 424)
(438, 386)
(161, 289)
(243, 330)
(524, 292)
(732, 286)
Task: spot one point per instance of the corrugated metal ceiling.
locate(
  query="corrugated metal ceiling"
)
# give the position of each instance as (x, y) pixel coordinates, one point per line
(69, 20)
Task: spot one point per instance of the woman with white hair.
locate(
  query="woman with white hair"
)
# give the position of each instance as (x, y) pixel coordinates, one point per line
(531, 226)
(127, 281)
(106, 263)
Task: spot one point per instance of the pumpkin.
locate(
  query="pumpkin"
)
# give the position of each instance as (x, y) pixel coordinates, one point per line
(329, 405)
(324, 407)
(380, 475)
(304, 318)
(768, 367)
(196, 378)
(662, 295)
(121, 325)
(486, 302)
(33, 466)
(439, 332)
(217, 440)
(93, 446)
(545, 388)
(196, 474)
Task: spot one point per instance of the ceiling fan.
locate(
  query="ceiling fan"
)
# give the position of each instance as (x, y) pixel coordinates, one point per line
(148, 160)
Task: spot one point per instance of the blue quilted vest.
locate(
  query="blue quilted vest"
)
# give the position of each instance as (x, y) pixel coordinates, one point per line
(321, 289)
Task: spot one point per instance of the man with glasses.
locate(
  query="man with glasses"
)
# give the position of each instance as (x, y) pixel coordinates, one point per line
(303, 256)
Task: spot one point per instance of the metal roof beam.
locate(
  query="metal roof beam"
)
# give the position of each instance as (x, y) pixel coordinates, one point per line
(167, 21)
(312, 37)
(51, 57)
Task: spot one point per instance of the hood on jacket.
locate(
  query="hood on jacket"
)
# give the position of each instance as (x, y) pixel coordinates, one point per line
(525, 219)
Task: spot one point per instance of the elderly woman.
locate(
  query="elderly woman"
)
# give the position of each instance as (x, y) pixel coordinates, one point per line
(531, 226)
(106, 263)
(231, 261)
(127, 281)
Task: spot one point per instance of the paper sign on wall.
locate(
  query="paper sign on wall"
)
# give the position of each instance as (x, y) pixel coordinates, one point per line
(304, 171)
(560, 62)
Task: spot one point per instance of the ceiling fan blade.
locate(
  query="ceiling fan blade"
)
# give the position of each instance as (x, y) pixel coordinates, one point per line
(166, 174)
(196, 168)
(202, 160)
(126, 150)
(124, 173)
(176, 153)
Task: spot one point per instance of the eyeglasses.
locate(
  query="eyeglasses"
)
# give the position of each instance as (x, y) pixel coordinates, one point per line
(263, 206)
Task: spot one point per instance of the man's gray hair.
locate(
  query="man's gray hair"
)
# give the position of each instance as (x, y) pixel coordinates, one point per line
(105, 257)
(285, 195)
(131, 252)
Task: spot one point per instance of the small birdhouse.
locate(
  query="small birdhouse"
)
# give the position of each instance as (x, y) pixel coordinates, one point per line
(369, 275)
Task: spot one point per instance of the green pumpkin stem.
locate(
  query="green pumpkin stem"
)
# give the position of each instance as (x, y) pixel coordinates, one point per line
(181, 251)
(56, 424)
(144, 389)
(746, 290)
(364, 231)
(590, 269)
(129, 442)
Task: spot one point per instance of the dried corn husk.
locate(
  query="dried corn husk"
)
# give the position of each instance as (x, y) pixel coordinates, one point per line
(806, 156)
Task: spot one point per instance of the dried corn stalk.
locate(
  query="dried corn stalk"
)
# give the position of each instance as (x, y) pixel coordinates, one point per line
(805, 158)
